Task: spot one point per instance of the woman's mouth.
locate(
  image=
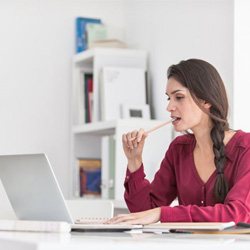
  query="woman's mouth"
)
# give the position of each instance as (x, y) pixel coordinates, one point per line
(175, 119)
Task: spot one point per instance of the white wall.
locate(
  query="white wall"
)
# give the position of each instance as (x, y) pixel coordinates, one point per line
(242, 65)
(172, 30)
(36, 48)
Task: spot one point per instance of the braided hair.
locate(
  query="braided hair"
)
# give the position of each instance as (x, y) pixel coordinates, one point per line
(205, 83)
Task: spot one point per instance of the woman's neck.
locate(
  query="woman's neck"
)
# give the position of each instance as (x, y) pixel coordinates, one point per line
(203, 140)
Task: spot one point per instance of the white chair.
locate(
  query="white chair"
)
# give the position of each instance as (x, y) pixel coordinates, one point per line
(81, 208)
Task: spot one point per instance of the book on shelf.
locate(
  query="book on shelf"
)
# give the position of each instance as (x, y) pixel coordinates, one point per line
(95, 32)
(88, 96)
(119, 86)
(107, 43)
(84, 97)
(81, 37)
(90, 177)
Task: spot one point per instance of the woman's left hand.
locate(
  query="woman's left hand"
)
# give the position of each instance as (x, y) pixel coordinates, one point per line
(145, 217)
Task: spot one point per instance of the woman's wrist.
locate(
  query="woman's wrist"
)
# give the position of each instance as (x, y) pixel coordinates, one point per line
(134, 164)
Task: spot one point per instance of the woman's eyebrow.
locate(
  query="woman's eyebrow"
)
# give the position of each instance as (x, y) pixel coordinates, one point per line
(175, 91)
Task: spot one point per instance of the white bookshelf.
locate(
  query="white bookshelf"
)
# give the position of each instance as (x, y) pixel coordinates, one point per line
(94, 60)
(92, 140)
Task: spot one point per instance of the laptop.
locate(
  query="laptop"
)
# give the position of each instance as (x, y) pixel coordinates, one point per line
(34, 192)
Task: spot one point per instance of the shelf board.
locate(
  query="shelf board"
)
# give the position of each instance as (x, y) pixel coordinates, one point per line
(108, 127)
(88, 55)
(97, 128)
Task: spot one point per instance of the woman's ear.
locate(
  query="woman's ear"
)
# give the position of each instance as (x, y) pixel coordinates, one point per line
(207, 105)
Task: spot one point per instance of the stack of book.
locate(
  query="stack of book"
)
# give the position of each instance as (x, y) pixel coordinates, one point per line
(90, 177)
(107, 43)
(92, 33)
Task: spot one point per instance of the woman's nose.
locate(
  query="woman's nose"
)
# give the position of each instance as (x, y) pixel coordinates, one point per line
(170, 107)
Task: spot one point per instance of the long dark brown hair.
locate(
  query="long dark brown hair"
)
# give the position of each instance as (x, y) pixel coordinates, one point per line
(204, 83)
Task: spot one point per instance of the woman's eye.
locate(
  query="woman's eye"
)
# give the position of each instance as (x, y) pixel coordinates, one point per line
(168, 98)
(179, 97)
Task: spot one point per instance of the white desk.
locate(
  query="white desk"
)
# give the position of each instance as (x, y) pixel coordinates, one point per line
(121, 241)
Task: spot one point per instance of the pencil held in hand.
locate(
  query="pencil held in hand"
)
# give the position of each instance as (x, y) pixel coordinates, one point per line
(159, 126)
(155, 128)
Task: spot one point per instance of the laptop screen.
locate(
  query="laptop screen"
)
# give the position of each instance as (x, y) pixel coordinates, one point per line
(32, 188)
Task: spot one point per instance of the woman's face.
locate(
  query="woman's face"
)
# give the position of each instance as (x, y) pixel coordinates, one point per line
(183, 108)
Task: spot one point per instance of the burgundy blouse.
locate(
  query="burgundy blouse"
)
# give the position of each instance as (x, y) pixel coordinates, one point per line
(178, 177)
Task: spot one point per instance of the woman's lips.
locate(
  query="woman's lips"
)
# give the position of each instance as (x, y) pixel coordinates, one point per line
(176, 120)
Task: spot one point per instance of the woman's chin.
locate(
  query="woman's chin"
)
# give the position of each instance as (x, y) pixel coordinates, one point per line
(180, 129)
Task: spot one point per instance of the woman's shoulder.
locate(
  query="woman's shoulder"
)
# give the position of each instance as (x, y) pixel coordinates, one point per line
(238, 144)
(242, 139)
(184, 139)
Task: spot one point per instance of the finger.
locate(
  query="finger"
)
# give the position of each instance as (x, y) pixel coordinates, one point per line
(133, 222)
(122, 218)
(129, 220)
(113, 219)
(125, 141)
(140, 135)
(144, 136)
(135, 143)
(130, 140)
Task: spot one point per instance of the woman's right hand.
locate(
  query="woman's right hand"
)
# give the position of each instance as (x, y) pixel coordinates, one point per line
(133, 143)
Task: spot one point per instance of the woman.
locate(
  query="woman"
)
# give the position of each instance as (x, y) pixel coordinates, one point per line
(207, 169)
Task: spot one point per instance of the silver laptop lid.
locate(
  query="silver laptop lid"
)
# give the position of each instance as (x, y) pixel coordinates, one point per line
(32, 188)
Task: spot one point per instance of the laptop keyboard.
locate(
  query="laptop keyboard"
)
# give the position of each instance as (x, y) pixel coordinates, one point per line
(91, 220)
